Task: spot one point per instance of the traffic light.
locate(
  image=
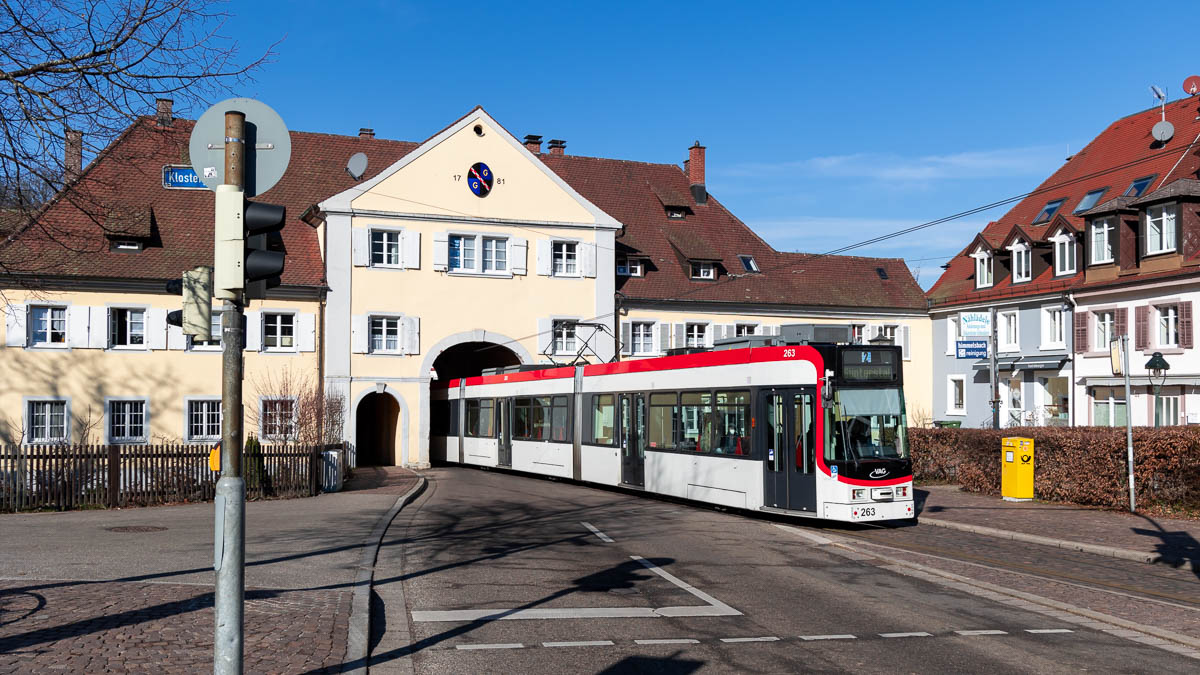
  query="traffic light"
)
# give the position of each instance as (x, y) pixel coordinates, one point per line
(264, 247)
(196, 316)
(248, 252)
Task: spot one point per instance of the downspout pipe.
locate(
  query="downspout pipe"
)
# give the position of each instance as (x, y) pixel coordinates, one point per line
(1070, 299)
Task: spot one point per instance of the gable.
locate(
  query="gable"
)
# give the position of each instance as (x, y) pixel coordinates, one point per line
(433, 180)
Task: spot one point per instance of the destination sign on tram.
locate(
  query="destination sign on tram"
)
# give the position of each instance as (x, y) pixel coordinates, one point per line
(868, 365)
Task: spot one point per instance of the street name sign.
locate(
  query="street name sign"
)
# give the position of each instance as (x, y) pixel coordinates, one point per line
(179, 177)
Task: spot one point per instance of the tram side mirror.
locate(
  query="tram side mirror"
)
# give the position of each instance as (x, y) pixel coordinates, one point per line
(827, 391)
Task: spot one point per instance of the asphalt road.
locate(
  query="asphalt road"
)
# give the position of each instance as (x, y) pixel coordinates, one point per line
(507, 573)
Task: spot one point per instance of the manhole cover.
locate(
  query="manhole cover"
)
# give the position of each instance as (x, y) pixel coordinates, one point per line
(136, 528)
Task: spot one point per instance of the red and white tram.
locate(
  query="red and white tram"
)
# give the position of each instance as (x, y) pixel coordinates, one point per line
(807, 430)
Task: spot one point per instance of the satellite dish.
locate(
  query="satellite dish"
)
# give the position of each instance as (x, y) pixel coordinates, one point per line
(1158, 93)
(357, 165)
(1192, 85)
(1163, 131)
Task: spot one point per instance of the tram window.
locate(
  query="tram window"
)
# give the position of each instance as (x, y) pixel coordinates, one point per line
(560, 426)
(453, 420)
(662, 421)
(541, 418)
(602, 413)
(733, 423)
(696, 421)
(480, 418)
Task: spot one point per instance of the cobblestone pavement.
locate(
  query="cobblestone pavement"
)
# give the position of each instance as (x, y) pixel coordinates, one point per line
(133, 627)
(387, 480)
(1172, 539)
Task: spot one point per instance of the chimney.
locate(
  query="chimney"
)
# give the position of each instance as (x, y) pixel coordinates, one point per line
(163, 111)
(364, 132)
(694, 166)
(557, 146)
(73, 155)
(533, 143)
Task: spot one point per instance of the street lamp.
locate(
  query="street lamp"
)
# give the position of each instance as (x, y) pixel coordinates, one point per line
(1157, 366)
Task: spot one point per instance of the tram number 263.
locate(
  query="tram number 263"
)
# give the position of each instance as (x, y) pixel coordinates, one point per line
(866, 512)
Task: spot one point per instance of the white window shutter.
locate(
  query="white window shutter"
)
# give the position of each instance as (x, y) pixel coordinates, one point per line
(77, 326)
(175, 338)
(626, 338)
(410, 245)
(359, 333)
(517, 252)
(156, 328)
(306, 332)
(903, 330)
(14, 325)
(545, 258)
(708, 334)
(254, 331)
(680, 330)
(410, 335)
(360, 247)
(98, 333)
(545, 336)
(587, 260)
(441, 251)
(664, 337)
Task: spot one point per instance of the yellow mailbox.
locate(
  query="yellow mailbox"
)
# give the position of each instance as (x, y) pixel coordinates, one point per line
(1016, 469)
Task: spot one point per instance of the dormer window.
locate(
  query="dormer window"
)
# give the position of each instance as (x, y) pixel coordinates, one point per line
(983, 268)
(1160, 229)
(1064, 253)
(127, 245)
(630, 267)
(1022, 261)
(1103, 231)
(704, 270)
(749, 264)
(1048, 211)
(676, 212)
(1138, 186)
(1090, 199)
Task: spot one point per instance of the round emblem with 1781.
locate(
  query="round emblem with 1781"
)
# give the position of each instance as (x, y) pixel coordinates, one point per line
(479, 179)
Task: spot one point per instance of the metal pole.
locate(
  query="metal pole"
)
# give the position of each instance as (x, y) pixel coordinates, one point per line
(995, 374)
(1128, 421)
(230, 554)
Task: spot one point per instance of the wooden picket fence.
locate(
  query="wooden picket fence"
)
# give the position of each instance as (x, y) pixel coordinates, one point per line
(36, 477)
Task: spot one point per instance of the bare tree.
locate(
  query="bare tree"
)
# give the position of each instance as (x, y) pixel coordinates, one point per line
(291, 406)
(87, 67)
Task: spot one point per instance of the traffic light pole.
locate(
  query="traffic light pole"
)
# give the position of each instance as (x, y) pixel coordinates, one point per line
(230, 531)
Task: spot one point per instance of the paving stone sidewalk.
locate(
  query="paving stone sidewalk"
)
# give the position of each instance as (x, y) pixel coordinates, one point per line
(1176, 540)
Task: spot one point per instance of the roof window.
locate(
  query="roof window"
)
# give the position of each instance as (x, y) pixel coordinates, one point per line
(1048, 211)
(749, 263)
(1138, 186)
(882, 273)
(676, 213)
(1090, 199)
(129, 245)
(704, 270)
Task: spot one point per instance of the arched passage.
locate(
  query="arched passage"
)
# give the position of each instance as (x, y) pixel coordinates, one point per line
(375, 430)
(469, 359)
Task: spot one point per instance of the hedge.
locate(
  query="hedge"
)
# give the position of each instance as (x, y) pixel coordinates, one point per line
(1079, 465)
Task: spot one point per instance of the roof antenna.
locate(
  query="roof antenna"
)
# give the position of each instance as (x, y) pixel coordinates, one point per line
(1163, 130)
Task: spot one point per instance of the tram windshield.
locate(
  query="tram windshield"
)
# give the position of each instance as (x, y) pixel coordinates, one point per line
(868, 424)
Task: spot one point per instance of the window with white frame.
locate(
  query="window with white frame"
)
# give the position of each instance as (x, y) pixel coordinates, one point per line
(214, 332)
(695, 335)
(953, 333)
(1160, 229)
(1105, 329)
(279, 332)
(1108, 407)
(126, 327)
(495, 254)
(704, 270)
(204, 419)
(889, 332)
(1010, 337)
(565, 256)
(1102, 233)
(48, 422)
(983, 269)
(278, 419)
(1166, 411)
(385, 334)
(385, 248)
(47, 326)
(476, 253)
(956, 395)
(858, 333)
(642, 333)
(1064, 254)
(127, 421)
(1022, 262)
(461, 253)
(630, 267)
(564, 337)
(1054, 328)
(1168, 326)
(749, 263)
(744, 329)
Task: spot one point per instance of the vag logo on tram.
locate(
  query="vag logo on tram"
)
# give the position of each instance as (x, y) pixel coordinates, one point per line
(879, 473)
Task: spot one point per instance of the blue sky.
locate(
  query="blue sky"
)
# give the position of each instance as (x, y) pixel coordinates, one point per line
(825, 125)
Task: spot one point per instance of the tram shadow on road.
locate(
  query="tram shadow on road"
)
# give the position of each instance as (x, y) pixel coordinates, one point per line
(670, 665)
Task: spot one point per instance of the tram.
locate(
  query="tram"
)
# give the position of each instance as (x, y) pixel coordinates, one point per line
(811, 430)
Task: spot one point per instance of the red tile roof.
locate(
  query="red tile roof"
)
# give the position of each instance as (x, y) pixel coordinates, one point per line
(1122, 153)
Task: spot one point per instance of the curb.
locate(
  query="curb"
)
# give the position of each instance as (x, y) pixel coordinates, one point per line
(358, 632)
(1096, 549)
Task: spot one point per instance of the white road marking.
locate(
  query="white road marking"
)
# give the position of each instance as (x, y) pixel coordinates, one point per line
(510, 645)
(603, 537)
(715, 608)
(674, 641)
(813, 537)
(1049, 630)
(586, 643)
(981, 632)
(541, 613)
(828, 637)
(904, 635)
(750, 639)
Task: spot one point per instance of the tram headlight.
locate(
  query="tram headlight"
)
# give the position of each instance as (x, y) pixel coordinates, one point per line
(858, 493)
(902, 491)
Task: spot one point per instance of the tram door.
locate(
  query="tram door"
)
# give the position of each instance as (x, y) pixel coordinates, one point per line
(789, 431)
(503, 418)
(633, 439)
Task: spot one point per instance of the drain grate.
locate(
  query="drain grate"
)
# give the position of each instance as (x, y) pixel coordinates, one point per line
(136, 528)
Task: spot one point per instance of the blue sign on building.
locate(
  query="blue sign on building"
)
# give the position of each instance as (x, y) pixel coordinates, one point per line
(181, 178)
(972, 349)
